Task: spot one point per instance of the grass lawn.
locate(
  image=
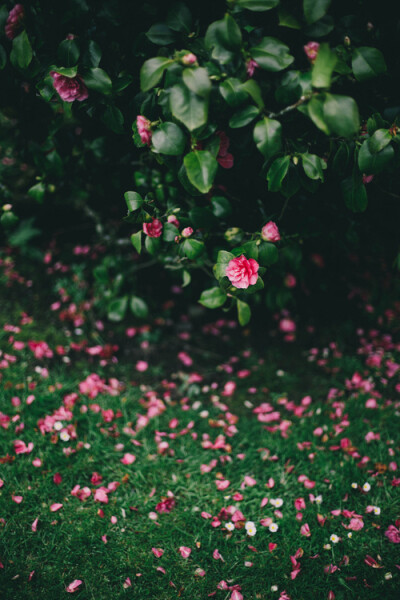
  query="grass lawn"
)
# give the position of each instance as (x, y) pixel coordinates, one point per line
(187, 463)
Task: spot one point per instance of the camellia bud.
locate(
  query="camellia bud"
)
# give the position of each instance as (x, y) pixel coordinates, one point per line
(189, 59)
(187, 232)
(347, 41)
(7, 207)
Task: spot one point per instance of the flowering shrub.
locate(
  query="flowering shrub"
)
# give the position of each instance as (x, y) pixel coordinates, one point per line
(245, 110)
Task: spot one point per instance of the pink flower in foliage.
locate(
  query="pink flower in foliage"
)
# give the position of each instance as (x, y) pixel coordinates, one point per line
(153, 229)
(69, 88)
(393, 534)
(14, 21)
(242, 272)
(144, 129)
(287, 325)
(251, 66)
(224, 158)
(270, 232)
(311, 50)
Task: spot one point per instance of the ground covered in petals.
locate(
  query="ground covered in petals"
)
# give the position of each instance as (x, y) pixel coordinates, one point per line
(172, 458)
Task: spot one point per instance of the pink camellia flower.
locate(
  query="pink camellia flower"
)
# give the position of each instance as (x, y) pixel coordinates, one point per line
(270, 232)
(172, 219)
(311, 50)
(287, 325)
(73, 587)
(14, 21)
(367, 179)
(251, 66)
(69, 88)
(187, 232)
(393, 534)
(290, 281)
(242, 272)
(144, 129)
(141, 366)
(153, 229)
(224, 157)
(189, 59)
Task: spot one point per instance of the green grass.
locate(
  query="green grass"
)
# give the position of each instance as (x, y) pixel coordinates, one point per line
(68, 543)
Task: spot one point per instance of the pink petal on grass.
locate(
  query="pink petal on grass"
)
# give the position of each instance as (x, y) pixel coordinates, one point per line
(17, 499)
(217, 555)
(236, 595)
(128, 459)
(55, 507)
(34, 525)
(185, 551)
(73, 586)
(158, 552)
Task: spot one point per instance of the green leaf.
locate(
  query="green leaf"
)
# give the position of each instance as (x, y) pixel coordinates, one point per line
(213, 298)
(268, 137)
(380, 139)
(202, 217)
(313, 166)
(315, 110)
(152, 245)
(136, 239)
(244, 312)
(272, 54)
(243, 117)
(232, 92)
(197, 80)
(291, 183)
(253, 89)
(94, 53)
(139, 307)
(160, 34)
(21, 52)
(170, 231)
(223, 39)
(249, 249)
(117, 309)
(367, 63)
(187, 278)
(114, 119)
(341, 115)
(179, 18)
(152, 71)
(290, 89)
(315, 9)
(201, 168)
(169, 139)
(98, 80)
(68, 53)
(267, 254)
(372, 163)
(323, 67)
(133, 201)
(37, 191)
(66, 71)
(257, 5)
(287, 19)
(341, 160)
(3, 58)
(277, 172)
(193, 248)
(355, 194)
(221, 207)
(188, 107)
